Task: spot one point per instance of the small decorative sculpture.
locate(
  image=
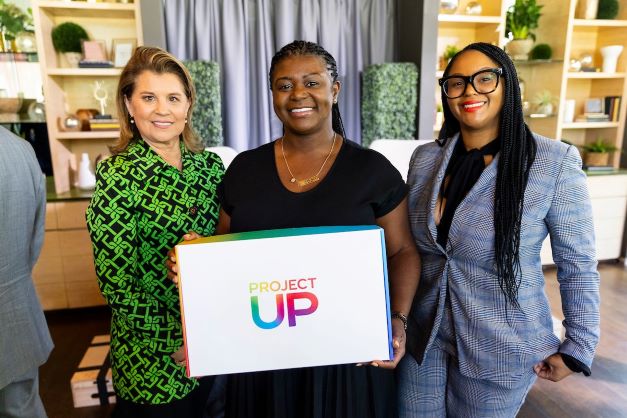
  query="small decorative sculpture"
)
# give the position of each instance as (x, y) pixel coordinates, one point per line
(587, 62)
(575, 65)
(449, 6)
(101, 95)
(473, 8)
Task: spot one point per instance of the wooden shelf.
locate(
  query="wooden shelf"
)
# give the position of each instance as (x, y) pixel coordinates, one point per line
(84, 72)
(593, 76)
(599, 23)
(89, 135)
(589, 125)
(470, 19)
(537, 62)
(539, 116)
(84, 9)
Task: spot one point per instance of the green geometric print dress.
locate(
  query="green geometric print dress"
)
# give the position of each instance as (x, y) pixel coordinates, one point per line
(141, 208)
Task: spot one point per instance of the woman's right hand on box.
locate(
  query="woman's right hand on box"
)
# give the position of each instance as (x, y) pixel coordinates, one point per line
(170, 262)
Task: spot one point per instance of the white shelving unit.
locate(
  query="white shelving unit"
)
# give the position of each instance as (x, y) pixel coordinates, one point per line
(68, 89)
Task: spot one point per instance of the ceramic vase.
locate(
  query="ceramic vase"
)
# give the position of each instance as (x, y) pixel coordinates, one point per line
(519, 49)
(610, 57)
(72, 58)
(86, 177)
(587, 9)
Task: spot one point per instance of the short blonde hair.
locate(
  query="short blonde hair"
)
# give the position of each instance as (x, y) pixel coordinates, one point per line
(157, 60)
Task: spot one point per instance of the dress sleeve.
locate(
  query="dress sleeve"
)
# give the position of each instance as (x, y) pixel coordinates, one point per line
(113, 229)
(390, 186)
(570, 225)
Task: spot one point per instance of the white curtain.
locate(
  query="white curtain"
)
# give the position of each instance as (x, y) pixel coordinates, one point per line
(243, 35)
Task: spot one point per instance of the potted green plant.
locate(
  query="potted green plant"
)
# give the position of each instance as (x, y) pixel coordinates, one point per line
(521, 19)
(13, 21)
(449, 52)
(544, 101)
(598, 153)
(66, 39)
(541, 52)
(607, 9)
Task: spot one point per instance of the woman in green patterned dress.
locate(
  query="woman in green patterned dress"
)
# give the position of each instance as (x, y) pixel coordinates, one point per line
(158, 185)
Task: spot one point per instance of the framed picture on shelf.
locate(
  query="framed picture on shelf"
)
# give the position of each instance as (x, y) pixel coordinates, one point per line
(94, 51)
(593, 105)
(122, 51)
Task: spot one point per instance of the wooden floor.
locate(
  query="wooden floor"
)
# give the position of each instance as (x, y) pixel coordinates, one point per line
(604, 394)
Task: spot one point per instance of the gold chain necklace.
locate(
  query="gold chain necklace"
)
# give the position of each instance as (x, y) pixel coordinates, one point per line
(315, 177)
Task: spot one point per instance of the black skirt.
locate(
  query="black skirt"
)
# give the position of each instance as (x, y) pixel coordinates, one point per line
(342, 391)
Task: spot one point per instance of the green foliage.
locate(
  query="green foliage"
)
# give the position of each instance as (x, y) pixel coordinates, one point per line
(541, 52)
(67, 37)
(450, 51)
(608, 9)
(207, 115)
(522, 18)
(13, 20)
(389, 97)
(544, 98)
(599, 145)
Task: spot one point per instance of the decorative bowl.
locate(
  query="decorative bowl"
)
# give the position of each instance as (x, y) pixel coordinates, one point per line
(10, 104)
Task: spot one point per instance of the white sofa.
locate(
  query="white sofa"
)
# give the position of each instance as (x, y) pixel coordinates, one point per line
(398, 151)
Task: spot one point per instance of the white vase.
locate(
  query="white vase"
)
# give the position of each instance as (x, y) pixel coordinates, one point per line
(545, 109)
(519, 49)
(587, 9)
(86, 178)
(610, 57)
(72, 58)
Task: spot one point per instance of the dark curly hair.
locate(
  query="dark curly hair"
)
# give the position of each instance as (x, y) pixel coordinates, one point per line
(518, 151)
(299, 48)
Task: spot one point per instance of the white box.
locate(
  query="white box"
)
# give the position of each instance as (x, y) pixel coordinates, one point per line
(329, 283)
(93, 366)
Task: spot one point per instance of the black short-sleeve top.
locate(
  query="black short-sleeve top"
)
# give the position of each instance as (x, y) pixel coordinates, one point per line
(361, 186)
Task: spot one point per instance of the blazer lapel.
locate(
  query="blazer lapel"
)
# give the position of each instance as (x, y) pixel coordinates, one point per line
(482, 189)
(484, 182)
(448, 148)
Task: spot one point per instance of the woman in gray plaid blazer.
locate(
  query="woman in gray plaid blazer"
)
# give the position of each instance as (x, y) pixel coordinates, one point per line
(482, 200)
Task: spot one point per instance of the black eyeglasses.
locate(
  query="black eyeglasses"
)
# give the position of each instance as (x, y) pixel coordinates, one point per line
(484, 81)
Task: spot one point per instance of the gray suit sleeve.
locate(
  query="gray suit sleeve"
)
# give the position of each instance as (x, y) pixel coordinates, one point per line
(40, 218)
(572, 240)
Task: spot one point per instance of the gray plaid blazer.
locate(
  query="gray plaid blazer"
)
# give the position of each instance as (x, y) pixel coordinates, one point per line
(24, 339)
(494, 341)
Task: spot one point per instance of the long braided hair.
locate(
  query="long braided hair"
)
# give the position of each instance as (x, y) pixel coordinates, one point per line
(300, 48)
(518, 151)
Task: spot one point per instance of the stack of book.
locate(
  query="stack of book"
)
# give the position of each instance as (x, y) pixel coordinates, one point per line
(104, 124)
(598, 168)
(95, 64)
(592, 117)
(612, 107)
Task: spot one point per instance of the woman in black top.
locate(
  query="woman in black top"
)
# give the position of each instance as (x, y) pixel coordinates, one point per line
(313, 176)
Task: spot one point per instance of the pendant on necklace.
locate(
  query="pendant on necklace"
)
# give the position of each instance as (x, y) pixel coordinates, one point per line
(293, 180)
(310, 180)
